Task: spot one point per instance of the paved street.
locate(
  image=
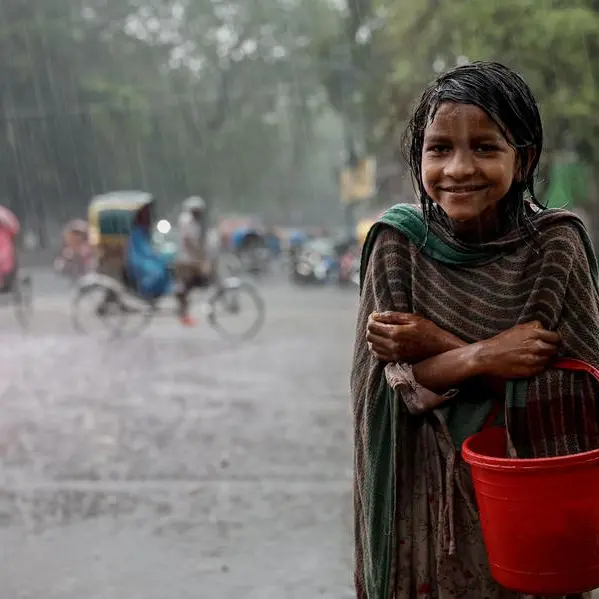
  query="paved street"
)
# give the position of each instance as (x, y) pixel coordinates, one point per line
(175, 465)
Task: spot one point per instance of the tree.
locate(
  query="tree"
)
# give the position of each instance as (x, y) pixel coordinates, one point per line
(552, 43)
(210, 97)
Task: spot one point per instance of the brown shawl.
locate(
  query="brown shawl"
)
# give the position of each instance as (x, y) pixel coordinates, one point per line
(475, 292)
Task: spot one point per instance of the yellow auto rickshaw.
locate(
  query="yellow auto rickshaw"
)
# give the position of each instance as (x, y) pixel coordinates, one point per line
(111, 217)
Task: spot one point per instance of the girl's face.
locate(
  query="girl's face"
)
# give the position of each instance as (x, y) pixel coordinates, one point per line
(467, 166)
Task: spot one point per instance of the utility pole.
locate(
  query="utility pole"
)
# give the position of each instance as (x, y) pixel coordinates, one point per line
(359, 12)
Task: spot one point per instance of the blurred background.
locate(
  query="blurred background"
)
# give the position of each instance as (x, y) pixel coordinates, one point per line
(177, 463)
(259, 106)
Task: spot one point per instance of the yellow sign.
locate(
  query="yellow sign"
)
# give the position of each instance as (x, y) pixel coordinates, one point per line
(358, 184)
(362, 228)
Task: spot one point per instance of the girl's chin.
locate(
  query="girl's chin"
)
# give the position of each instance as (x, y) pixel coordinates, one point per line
(465, 214)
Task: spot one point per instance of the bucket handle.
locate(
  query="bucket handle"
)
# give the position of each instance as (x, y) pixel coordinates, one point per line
(562, 364)
(576, 365)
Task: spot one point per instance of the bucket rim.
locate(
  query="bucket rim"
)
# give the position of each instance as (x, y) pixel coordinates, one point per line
(516, 465)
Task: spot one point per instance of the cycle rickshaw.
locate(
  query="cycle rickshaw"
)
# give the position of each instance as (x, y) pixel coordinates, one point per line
(114, 295)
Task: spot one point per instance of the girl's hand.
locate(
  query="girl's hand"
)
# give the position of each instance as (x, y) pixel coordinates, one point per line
(523, 351)
(404, 337)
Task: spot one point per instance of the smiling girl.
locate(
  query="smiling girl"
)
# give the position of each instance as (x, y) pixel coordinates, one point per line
(465, 303)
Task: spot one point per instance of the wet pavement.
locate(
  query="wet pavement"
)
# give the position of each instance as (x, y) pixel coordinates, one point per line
(176, 464)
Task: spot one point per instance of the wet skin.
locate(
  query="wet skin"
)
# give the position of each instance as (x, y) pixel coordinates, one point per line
(468, 167)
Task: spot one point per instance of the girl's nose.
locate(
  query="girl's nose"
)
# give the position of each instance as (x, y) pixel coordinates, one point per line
(460, 165)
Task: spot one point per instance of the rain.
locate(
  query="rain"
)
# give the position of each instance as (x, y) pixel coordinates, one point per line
(141, 456)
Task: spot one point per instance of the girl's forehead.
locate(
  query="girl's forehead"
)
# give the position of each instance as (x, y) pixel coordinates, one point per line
(452, 118)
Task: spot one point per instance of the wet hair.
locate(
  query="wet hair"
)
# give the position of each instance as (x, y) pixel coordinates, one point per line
(508, 101)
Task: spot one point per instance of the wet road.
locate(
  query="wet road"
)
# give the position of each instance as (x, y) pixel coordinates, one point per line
(174, 464)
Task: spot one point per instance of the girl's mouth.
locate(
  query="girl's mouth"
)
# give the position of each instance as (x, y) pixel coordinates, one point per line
(463, 189)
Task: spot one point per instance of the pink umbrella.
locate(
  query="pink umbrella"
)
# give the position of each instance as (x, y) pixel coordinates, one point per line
(9, 221)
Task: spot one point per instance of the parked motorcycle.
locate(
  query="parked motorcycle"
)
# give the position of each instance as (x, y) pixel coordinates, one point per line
(315, 262)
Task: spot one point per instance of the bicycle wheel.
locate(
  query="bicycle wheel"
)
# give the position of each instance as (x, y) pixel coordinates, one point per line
(137, 315)
(236, 310)
(229, 265)
(22, 292)
(101, 310)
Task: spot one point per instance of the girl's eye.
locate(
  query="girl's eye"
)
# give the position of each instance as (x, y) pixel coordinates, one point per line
(438, 149)
(486, 148)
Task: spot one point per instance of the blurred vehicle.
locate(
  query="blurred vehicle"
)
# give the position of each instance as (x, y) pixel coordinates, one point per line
(76, 257)
(295, 240)
(316, 262)
(132, 255)
(9, 230)
(14, 283)
(349, 265)
(247, 238)
(111, 217)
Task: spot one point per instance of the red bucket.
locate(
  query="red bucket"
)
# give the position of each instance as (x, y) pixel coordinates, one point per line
(539, 517)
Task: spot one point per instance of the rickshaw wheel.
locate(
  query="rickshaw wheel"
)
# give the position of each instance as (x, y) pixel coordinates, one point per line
(117, 316)
(91, 314)
(22, 293)
(234, 299)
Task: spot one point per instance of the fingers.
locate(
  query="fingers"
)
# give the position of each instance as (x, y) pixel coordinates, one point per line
(379, 343)
(542, 333)
(548, 336)
(381, 330)
(381, 346)
(545, 349)
(393, 317)
(380, 353)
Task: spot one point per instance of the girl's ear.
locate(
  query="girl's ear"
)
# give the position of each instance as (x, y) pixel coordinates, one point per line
(524, 169)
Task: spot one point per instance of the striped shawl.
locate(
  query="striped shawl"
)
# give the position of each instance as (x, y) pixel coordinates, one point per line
(475, 292)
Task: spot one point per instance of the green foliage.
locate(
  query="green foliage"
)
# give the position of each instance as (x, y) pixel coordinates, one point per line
(220, 99)
(553, 43)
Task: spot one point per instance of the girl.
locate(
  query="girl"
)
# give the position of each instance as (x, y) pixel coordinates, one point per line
(465, 303)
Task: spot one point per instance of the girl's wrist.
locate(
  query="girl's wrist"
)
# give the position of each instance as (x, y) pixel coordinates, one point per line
(478, 358)
(449, 342)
